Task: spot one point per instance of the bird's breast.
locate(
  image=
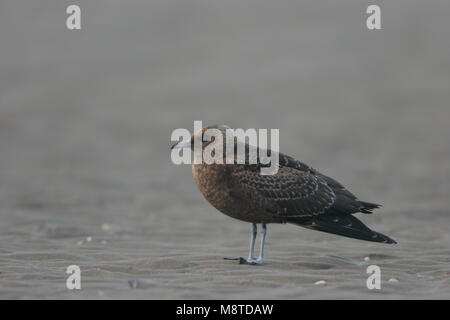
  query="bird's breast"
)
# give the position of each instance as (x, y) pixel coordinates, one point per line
(216, 184)
(213, 183)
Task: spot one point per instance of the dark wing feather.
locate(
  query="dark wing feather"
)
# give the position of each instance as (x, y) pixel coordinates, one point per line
(289, 193)
(287, 161)
(346, 202)
(300, 195)
(347, 226)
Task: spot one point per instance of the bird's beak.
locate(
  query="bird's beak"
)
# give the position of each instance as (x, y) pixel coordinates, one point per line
(181, 145)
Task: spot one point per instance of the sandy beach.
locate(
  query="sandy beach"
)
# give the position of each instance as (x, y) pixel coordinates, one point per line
(86, 116)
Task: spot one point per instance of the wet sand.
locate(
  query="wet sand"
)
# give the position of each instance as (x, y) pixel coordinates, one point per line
(85, 124)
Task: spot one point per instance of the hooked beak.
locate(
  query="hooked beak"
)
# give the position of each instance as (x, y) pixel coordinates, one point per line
(181, 145)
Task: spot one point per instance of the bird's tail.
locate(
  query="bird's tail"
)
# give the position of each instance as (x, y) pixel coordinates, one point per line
(367, 207)
(347, 226)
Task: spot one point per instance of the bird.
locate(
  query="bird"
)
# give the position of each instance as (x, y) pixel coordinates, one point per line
(296, 194)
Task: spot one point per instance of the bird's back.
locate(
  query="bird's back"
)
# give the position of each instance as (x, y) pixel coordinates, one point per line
(296, 194)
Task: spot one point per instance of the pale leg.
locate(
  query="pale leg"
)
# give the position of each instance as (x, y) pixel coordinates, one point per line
(254, 231)
(251, 258)
(263, 241)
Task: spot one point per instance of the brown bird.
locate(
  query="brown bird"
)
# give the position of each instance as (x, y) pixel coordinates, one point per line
(296, 194)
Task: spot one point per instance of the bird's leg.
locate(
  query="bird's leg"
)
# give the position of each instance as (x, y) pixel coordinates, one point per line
(260, 259)
(251, 258)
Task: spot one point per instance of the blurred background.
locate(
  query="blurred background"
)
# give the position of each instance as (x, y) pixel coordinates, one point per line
(85, 123)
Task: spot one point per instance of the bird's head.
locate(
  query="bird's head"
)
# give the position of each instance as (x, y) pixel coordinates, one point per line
(203, 137)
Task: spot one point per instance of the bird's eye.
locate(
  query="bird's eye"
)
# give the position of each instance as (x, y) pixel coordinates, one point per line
(210, 139)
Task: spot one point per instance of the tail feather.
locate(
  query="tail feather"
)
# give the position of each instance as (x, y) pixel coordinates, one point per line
(347, 226)
(368, 207)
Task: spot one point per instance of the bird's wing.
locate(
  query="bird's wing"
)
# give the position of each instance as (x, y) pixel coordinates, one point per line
(287, 161)
(345, 202)
(288, 193)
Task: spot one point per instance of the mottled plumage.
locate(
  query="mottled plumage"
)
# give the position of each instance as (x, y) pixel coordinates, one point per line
(296, 194)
